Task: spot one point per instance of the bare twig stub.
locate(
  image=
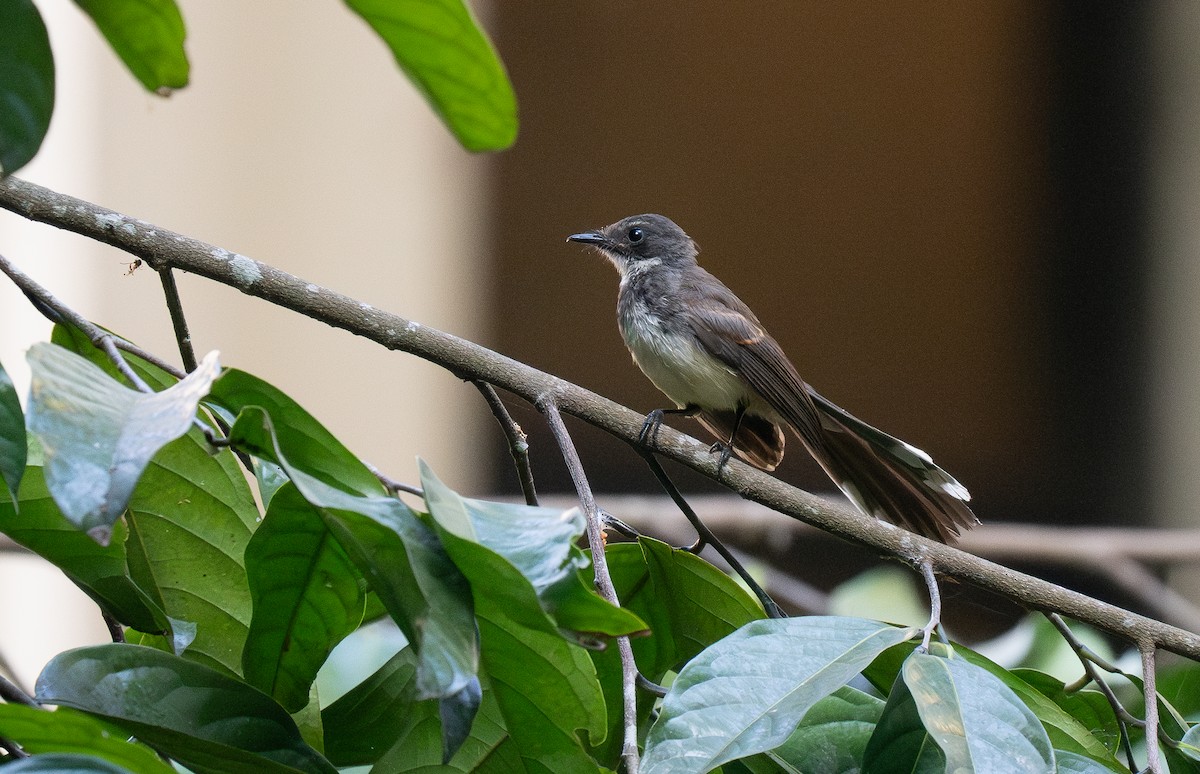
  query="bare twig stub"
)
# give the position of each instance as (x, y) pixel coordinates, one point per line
(159, 247)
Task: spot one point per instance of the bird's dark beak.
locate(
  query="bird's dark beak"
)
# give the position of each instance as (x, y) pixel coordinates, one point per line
(589, 238)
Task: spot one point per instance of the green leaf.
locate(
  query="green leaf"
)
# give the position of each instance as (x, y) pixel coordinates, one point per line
(69, 731)
(198, 716)
(688, 604)
(98, 435)
(397, 553)
(541, 544)
(1066, 732)
(189, 522)
(190, 519)
(1074, 763)
(100, 571)
(747, 693)
(148, 36)
(834, 733)
(26, 84)
(694, 605)
(546, 686)
(12, 436)
(977, 721)
(1190, 744)
(446, 55)
(900, 743)
(375, 714)
(63, 763)
(380, 722)
(488, 750)
(310, 447)
(307, 598)
(1088, 707)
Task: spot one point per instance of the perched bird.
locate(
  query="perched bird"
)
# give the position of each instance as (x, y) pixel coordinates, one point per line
(709, 354)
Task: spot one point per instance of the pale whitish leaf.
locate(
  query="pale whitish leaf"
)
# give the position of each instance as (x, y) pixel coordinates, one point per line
(977, 721)
(747, 693)
(99, 435)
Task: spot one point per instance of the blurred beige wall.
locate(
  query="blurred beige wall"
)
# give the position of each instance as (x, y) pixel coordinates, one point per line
(299, 144)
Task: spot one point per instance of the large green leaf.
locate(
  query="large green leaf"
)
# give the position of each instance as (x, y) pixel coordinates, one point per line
(148, 36)
(198, 716)
(698, 604)
(100, 571)
(444, 52)
(26, 83)
(70, 731)
(540, 543)
(12, 437)
(99, 435)
(307, 598)
(189, 522)
(977, 721)
(546, 686)
(747, 693)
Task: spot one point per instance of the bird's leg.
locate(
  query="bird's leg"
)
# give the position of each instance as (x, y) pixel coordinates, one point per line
(654, 420)
(726, 447)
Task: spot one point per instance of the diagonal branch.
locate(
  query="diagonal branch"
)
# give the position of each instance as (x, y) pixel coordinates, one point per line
(160, 248)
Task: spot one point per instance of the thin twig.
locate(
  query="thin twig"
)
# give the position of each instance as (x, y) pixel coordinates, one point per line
(706, 536)
(649, 686)
(392, 485)
(10, 693)
(13, 748)
(1124, 718)
(604, 584)
(518, 446)
(183, 338)
(102, 340)
(158, 247)
(935, 604)
(115, 629)
(1153, 760)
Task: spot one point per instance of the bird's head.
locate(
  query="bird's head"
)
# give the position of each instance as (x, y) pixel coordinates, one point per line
(640, 242)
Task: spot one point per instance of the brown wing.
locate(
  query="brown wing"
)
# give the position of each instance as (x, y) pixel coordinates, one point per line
(882, 475)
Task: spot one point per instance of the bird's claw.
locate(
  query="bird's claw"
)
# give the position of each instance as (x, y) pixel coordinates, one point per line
(726, 452)
(649, 434)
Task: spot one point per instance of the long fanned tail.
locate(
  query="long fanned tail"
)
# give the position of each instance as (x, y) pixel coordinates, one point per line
(889, 478)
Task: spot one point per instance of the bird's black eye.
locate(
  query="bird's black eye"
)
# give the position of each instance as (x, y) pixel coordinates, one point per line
(636, 235)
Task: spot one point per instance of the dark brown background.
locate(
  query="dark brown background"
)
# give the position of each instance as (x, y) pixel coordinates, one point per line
(933, 207)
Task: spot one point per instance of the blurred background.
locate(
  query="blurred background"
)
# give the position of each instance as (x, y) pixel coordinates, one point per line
(972, 225)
